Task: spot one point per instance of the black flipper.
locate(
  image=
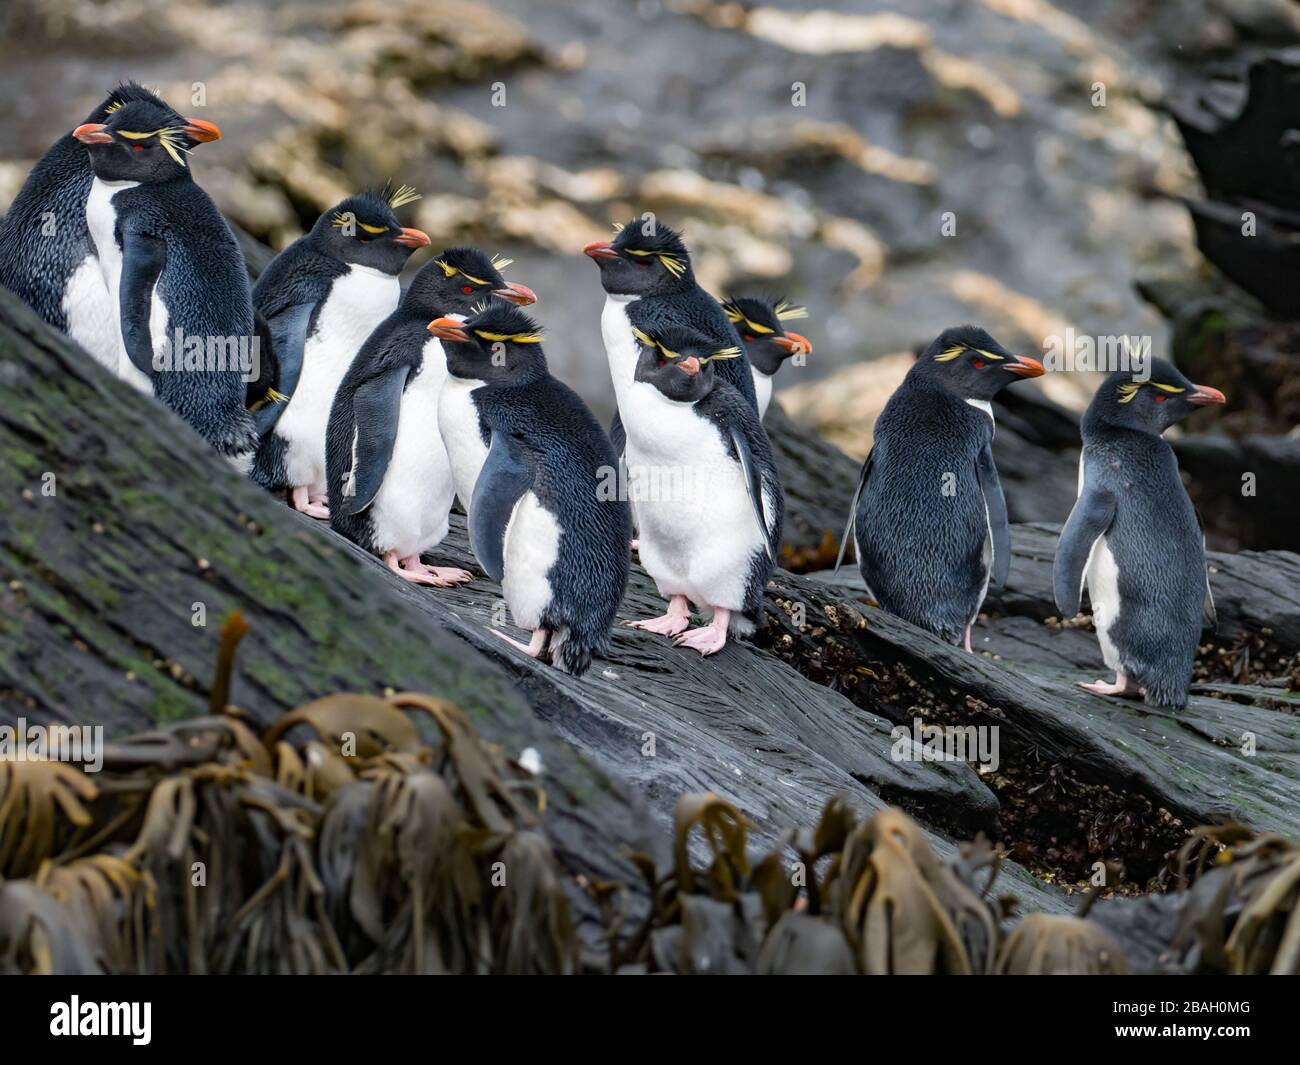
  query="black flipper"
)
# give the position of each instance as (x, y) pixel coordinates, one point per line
(1091, 517)
(853, 510)
(996, 503)
(288, 338)
(754, 486)
(143, 259)
(375, 410)
(505, 477)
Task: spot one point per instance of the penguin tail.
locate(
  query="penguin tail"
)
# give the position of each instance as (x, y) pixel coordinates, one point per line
(572, 655)
(1164, 693)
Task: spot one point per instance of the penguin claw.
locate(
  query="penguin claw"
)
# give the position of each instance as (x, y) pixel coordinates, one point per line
(1101, 687)
(451, 575)
(668, 625)
(707, 640)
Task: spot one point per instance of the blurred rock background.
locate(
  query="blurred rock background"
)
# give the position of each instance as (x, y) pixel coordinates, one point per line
(812, 148)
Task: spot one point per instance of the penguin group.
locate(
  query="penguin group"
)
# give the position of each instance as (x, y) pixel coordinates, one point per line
(377, 408)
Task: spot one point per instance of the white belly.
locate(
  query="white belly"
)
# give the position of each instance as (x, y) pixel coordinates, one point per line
(410, 511)
(458, 423)
(762, 390)
(532, 544)
(101, 220)
(620, 345)
(91, 317)
(696, 525)
(357, 302)
(1102, 576)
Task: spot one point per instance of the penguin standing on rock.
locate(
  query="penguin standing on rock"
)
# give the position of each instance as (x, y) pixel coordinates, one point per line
(928, 515)
(764, 338)
(46, 254)
(647, 265)
(1135, 537)
(321, 297)
(542, 520)
(701, 472)
(388, 470)
(183, 313)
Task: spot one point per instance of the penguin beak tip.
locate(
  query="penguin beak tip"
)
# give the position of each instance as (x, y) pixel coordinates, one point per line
(447, 329)
(93, 133)
(600, 249)
(413, 238)
(1205, 396)
(689, 365)
(520, 295)
(1024, 366)
(201, 131)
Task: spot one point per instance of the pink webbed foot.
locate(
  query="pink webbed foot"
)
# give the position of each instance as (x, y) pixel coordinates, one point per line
(967, 644)
(671, 623)
(420, 575)
(634, 545)
(443, 576)
(306, 503)
(709, 639)
(533, 649)
(1100, 687)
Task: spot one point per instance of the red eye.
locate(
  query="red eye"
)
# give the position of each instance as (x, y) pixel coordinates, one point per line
(1159, 398)
(137, 147)
(645, 262)
(663, 362)
(749, 336)
(467, 289)
(978, 363)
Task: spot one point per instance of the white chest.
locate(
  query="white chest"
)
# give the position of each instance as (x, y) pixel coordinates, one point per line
(531, 547)
(762, 390)
(92, 318)
(101, 220)
(357, 302)
(410, 511)
(620, 345)
(458, 424)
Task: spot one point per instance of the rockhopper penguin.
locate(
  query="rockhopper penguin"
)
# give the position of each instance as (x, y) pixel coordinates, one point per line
(470, 277)
(1135, 537)
(46, 255)
(542, 520)
(321, 297)
(929, 517)
(703, 479)
(174, 274)
(647, 264)
(764, 338)
(388, 471)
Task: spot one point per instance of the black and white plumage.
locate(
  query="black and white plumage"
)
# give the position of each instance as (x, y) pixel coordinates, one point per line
(387, 468)
(1134, 538)
(702, 476)
(46, 254)
(543, 518)
(322, 297)
(648, 266)
(928, 516)
(173, 271)
(764, 338)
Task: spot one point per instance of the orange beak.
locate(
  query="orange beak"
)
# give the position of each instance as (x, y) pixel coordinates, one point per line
(600, 249)
(1024, 367)
(412, 238)
(689, 365)
(448, 329)
(516, 293)
(200, 131)
(794, 344)
(1205, 396)
(93, 133)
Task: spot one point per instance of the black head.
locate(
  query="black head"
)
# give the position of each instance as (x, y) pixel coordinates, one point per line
(459, 280)
(1149, 406)
(646, 258)
(142, 139)
(364, 231)
(971, 364)
(125, 93)
(498, 344)
(761, 325)
(678, 361)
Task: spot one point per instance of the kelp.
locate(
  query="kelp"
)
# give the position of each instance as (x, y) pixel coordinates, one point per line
(360, 834)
